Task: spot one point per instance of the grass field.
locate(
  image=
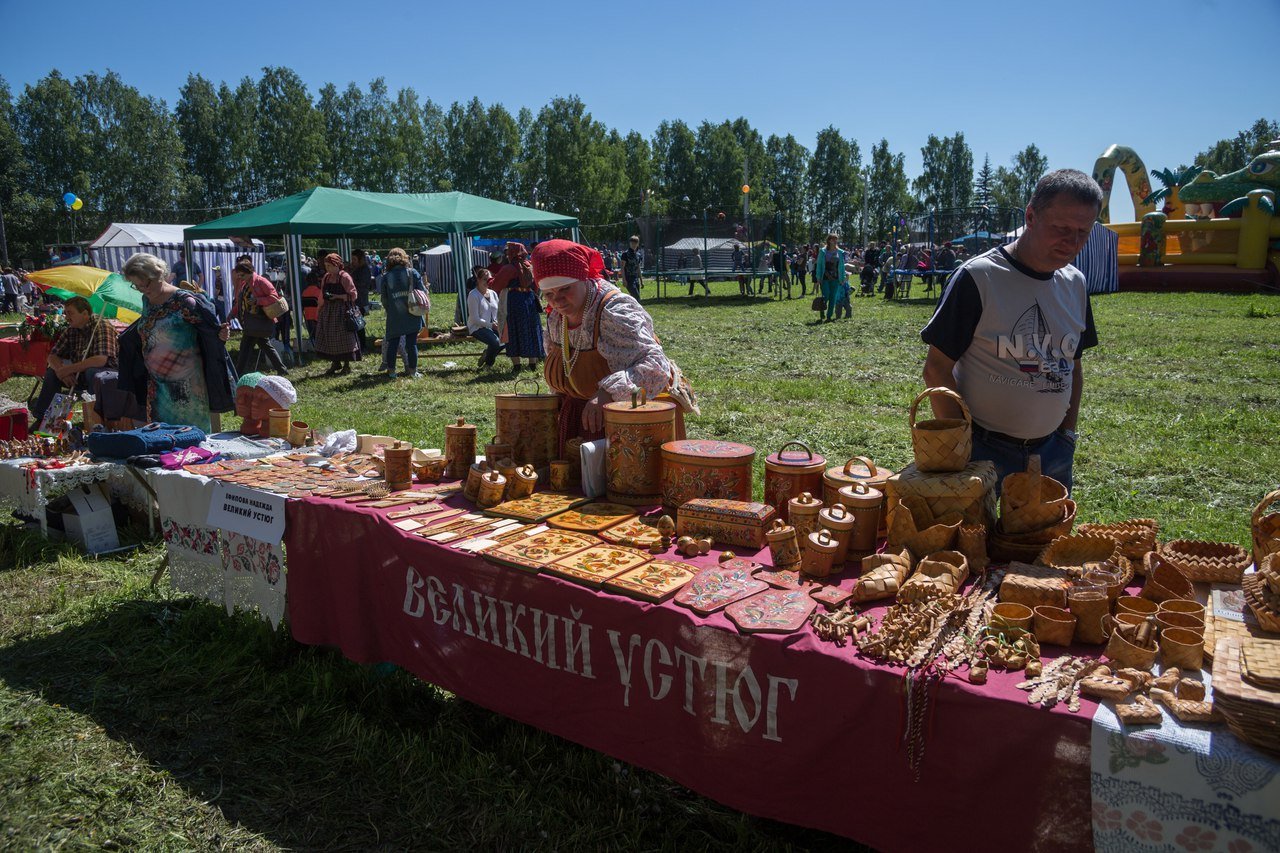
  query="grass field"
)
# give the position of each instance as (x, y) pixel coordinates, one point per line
(129, 717)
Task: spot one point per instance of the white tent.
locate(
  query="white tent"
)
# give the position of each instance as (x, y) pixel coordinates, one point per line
(717, 252)
(436, 265)
(215, 257)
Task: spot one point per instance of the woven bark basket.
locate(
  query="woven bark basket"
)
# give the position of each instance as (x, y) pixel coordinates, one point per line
(1029, 500)
(1266, 529)
(941, 444)
(1164, 582)
(1136, 536)
(1207, 562)
(1073, 551)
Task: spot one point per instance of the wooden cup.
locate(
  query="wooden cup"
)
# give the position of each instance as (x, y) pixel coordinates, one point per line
(1008, 615)
(561, 474)
(1170, 619)
(1089, 605)
(1182, 648)
(1134, 604)
(1054, 626)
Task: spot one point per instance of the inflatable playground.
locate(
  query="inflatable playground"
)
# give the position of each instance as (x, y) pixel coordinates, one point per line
(1212, 232)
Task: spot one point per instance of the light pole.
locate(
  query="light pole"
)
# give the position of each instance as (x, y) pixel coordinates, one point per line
(866, 187)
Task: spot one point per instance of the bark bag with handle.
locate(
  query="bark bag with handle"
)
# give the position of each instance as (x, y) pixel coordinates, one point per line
(941, 444)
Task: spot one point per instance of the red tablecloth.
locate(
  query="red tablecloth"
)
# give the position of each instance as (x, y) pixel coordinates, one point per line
(24, 360)
(785, 727)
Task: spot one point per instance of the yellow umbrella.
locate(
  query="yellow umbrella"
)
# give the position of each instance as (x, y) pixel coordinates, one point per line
(108, 293)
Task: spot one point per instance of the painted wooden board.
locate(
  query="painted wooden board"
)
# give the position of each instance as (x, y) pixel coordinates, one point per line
(533, 553)
(597, 564)
(655, 581)
(633, 532)
(538, 506)
(717, 587)
(777, 611)
(592, 517)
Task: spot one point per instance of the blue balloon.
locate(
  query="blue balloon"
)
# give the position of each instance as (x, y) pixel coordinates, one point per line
(68, 199)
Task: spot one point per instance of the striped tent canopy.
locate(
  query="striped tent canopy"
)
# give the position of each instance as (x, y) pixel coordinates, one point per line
(121, 240)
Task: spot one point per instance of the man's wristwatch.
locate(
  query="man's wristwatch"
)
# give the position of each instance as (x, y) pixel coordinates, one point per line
(1071, 434)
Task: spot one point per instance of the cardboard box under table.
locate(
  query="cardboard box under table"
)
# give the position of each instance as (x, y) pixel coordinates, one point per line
(971, 492)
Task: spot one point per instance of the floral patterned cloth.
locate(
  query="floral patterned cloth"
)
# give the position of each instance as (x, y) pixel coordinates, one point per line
(1181, 788)
(627, 342)
(177, 392)
(221, 567)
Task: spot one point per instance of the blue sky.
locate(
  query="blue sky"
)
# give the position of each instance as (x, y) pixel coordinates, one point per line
(1167, 79)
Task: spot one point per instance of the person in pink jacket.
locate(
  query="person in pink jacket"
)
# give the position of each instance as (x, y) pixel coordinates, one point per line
(253, 294)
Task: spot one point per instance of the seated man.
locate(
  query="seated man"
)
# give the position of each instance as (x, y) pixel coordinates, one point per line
(87, 346)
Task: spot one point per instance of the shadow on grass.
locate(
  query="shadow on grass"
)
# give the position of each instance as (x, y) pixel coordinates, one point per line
(315, 752)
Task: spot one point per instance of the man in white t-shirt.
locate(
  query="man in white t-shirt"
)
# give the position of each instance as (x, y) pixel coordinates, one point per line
(1009, 331)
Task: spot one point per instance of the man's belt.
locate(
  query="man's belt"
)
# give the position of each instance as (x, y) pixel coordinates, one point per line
(991, 435)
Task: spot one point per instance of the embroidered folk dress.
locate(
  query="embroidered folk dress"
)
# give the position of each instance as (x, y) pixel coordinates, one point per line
(613, 350)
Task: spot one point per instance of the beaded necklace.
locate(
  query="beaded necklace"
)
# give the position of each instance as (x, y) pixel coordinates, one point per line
(569, 361)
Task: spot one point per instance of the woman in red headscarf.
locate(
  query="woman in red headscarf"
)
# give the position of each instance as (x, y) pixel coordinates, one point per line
(334, 339)
(600, 342)
(520, 313)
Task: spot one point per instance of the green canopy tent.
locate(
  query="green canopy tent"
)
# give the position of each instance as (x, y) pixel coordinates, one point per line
(326, 212)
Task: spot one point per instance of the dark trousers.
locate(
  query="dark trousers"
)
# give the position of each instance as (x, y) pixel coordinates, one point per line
(9, 303)
(1057, 455)
(53, 385)
(633, 287)
(247, 361)
(489, 338)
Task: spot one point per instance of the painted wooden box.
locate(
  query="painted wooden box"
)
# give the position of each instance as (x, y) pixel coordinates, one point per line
(636, 433)
(530, 424)
(730, 522)
(705, 468)
(789, 473)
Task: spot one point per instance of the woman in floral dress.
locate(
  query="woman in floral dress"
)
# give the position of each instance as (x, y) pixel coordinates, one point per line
(183, 348)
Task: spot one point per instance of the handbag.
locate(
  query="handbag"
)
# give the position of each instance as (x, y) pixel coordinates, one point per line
(277, 308)
(418, 303)
(257, 325)
(819, 304)
(354, 321)
(153, 438)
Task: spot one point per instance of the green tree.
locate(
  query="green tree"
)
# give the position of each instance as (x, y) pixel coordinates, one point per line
(482, 146)
(531, 170)
(785, 182)
(676, 165)
(336, 114)
(887, 193)
(416, 172)
(136, 165)
(239, 111)
(719, 158)
(759, 165)
(984, 182)
(946, 175)
(835, 183)
(585, 163)
(48, 121)
(1228, 155)
(291, 135)
(205, 143)
(18, 206)
(639, 167)
(1013, 187)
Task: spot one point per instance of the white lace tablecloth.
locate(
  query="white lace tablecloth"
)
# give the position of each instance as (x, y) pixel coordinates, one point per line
(32, 492)
(222, 567)
(1181, 787)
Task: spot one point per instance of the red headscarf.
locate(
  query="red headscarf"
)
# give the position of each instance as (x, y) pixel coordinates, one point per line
(560, 262)
(334, 256)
